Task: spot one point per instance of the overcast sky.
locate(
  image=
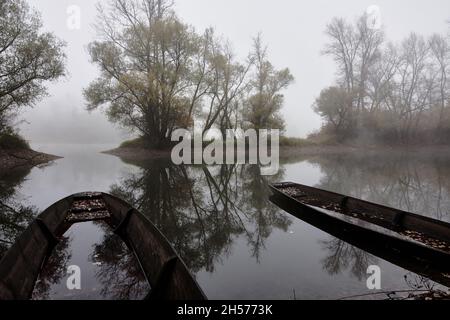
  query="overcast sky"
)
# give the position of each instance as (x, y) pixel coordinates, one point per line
(293, 30)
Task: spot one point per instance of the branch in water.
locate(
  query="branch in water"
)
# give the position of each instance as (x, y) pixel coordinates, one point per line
(388, 293)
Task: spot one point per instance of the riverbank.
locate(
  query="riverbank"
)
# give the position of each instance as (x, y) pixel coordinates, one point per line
(287, 152)
(12, 159)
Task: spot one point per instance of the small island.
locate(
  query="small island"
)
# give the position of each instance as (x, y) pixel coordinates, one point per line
(15, 152)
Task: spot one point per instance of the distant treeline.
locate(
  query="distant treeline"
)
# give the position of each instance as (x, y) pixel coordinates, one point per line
(385, 92)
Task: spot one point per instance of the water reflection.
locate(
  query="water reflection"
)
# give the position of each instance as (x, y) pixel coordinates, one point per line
(341, 256)
(118, 272)
(219, 219)
(415, 183)
(108, 268)
(54, 271)
(15, 216)
(202, 209)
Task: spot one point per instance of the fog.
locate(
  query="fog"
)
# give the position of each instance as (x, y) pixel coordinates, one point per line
(293, 30)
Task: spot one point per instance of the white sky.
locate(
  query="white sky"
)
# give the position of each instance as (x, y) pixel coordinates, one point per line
(293, 30)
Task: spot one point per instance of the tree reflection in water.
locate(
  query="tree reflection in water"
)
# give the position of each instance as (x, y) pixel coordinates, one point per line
(413, 183)
(54, 270)
(416, 184)
(342, 255)
(14, 215)
(266, 218)
(201, 210)
(118, 269)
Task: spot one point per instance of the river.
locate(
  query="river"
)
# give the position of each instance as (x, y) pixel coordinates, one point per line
(232, 238)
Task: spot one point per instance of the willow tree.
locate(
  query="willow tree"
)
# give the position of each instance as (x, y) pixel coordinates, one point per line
(153, 68)
(28, 58)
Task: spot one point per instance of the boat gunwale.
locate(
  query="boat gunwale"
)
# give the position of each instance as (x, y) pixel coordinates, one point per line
(383, 207)
(357, 236)
(61, 226)
(276, 189)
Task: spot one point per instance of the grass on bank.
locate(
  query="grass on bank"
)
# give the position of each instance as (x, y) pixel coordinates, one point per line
(139, 143)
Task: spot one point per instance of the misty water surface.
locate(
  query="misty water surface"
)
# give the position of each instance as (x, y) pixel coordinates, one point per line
(219, 219)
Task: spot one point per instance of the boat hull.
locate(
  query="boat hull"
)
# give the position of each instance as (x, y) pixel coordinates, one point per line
(165, 271)
(384, 243)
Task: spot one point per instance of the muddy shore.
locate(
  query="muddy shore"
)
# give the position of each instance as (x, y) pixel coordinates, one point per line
(12, 159)
(293, 152)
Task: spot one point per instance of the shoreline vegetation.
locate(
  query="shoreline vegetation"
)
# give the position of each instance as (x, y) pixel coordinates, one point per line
(15, 152)
(165, 74)
(138, 150)
(30, 58)
(289, 147)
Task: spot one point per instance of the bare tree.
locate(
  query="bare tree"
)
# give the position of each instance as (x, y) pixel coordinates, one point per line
(398, 92)
(414, 86)
(440, 50)
(356, 48)
(368, 54)
(343, 47)
(380, 79)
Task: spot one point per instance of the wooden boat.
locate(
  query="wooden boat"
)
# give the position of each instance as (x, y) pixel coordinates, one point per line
(414, 242)
(166, 273)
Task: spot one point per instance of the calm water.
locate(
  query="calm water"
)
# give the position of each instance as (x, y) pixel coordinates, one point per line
(108, 269)
(219, 219)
